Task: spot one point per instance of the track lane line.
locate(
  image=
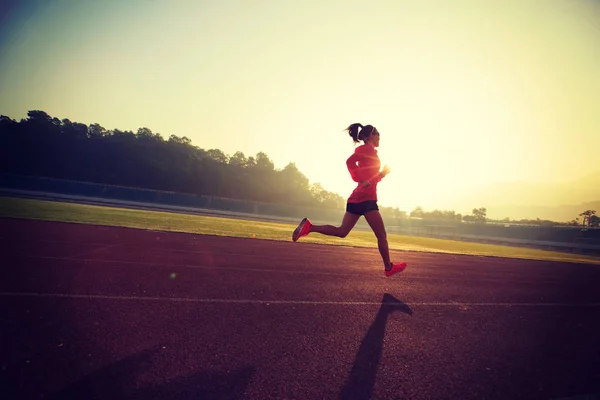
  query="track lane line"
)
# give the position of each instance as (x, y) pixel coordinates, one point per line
(286, 302)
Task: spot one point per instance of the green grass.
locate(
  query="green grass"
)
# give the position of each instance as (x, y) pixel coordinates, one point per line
(166, 221)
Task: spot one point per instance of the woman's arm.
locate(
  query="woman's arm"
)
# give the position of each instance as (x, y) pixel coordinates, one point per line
(352, 165)
(382, 174)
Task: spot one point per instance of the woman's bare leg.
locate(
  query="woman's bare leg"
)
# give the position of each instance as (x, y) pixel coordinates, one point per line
(376, 223)
(342, 231)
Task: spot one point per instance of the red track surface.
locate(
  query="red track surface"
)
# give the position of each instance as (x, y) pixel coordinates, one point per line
(104, 312)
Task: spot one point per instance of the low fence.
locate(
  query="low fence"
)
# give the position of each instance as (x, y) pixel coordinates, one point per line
(139, 195)
(563, 234)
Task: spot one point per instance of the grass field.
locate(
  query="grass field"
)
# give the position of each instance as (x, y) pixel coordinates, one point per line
(166, 221)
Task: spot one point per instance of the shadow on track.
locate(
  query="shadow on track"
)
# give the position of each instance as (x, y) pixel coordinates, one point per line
(118, 381)
(361, 380)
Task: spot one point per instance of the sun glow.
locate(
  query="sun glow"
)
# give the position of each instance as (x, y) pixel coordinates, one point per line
(463, 94)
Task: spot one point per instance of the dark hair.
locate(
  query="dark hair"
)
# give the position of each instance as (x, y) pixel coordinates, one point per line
(358, 135)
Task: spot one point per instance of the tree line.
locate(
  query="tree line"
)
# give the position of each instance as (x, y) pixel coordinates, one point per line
(42, 145)
(479, 215)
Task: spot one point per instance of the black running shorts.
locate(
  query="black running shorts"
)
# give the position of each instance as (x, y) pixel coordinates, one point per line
(362, 207)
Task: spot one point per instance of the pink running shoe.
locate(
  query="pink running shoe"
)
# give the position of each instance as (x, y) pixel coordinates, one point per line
(302, 230)
(395, 269)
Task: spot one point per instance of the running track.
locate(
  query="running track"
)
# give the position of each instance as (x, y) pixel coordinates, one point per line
(90, 312)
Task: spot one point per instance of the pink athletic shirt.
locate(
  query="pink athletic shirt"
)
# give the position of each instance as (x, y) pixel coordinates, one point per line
(364, 165)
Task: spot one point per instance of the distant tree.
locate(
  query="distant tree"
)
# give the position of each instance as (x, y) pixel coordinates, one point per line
(442, 215)
(149, 138)
(479, 214)
(594, 221)
(417, 212)
(7, 123)
(392, 213)
(38, 116)
(96, 131)
(264, 162)
(333, 200)
(218, 156)
(317, 191)
(293, 186)
(586, 217)
(238, 160)
(73, 130)
(180, 140)
(399, 214)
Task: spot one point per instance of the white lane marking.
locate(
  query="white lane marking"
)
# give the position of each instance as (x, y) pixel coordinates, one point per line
(351, 271)
(88, 253)
(310, 302)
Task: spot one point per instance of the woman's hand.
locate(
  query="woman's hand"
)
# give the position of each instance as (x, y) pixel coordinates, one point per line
(385, 171)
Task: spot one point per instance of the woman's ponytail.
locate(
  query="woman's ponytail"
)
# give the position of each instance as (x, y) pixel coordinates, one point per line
(354, 132)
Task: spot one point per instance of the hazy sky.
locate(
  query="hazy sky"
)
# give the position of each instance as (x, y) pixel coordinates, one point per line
(463, 92)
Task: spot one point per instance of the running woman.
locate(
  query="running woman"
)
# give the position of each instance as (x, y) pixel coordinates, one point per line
(364, 168)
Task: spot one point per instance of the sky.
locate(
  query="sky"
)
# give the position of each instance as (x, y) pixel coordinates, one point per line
(464, 93)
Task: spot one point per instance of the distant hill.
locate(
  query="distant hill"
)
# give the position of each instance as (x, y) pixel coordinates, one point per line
(554, 201)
